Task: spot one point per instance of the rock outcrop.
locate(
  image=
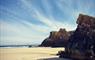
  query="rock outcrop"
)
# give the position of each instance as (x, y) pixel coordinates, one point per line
(84, 35)
(81, 38)
(81, 44)
(57, 39)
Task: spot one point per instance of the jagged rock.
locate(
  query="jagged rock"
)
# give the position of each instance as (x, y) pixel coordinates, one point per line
(84, 35)
(81, 43)
(57, 39)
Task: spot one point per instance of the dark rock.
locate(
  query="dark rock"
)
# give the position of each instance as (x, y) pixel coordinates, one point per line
(30, 46)
(57, 39)
(81, 44)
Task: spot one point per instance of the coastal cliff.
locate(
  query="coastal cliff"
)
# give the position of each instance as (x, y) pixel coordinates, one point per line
(83, 37)
(81, 44)
(85, 32)
(57, 38)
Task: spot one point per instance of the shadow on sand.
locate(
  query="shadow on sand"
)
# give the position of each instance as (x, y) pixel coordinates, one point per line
(55, 58)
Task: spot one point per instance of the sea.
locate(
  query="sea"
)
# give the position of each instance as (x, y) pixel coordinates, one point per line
(18, 46)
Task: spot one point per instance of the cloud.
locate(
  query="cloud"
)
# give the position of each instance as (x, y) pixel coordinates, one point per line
(17, 24)
(53, 24)
(48, 21)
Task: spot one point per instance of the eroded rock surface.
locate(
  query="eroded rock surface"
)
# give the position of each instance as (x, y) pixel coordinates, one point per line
(82, 38)
(84, 35)
(57, 39)
(81, 44)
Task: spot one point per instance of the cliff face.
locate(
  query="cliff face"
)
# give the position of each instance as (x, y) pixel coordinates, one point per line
(81, 44)
(81, 38)
(56, 39)
(84, 36)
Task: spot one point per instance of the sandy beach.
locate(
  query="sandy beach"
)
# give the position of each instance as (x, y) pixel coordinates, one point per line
(38, 53)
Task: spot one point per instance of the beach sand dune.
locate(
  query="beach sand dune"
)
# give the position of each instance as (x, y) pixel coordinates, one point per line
(38, 53)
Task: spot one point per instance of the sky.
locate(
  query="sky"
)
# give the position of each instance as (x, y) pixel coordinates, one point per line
(30, 21)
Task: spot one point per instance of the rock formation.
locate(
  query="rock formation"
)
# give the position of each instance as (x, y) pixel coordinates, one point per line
(57, 39)
(81, 43)
(81, 38)
(84, 35)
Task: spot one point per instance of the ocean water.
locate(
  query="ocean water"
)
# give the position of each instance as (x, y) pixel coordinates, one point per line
(18, 46)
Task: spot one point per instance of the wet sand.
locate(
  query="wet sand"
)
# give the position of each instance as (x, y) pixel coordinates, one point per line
(38, 53)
